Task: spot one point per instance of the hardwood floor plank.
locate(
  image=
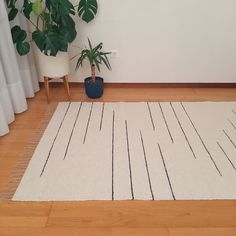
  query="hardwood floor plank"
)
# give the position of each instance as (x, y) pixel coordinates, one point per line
(175, 214)
(143, 214)
(202, 231)
(26, 221)
(24, 209)
(139, 231)
(30, 231)
(87, 214)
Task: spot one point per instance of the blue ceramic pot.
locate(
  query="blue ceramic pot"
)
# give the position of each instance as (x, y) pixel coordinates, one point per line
(94, 90)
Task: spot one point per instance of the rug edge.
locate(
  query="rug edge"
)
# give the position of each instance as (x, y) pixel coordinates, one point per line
(18, 171)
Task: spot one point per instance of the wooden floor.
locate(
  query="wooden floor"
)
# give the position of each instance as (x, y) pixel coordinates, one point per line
(167, 218)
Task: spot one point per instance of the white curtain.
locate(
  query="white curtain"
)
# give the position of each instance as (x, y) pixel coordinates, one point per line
(18, 77)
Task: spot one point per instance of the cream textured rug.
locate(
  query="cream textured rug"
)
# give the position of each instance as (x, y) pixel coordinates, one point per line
(135, 151)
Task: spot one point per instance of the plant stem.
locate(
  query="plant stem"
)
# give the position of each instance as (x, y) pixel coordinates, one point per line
(29, 20)
(93, 73)
(38, 22)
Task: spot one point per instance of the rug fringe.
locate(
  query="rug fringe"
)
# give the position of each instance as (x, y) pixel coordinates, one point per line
(19, 170)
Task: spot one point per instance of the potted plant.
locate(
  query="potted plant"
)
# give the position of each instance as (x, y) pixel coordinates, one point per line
(53, 29)
(96, 57)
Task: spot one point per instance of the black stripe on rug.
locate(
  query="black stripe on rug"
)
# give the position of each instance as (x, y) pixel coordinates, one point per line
(164, 118)
(146, 164)
(128, 154)
(101, 121)
(49, 153)
(181, 127)
(222, 149)
(229, 138)
(72, 131)
(88, 122)
(208, 152)
(167, 175)
(113, 147)
(151, 117)
(232, 124)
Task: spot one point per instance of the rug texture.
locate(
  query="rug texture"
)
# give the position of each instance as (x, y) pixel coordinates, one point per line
(134, 151)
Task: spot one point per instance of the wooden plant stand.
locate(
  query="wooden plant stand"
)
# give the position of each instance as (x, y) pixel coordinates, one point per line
(47, 88)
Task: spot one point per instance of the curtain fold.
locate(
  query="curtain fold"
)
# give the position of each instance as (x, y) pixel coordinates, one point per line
(18, 76)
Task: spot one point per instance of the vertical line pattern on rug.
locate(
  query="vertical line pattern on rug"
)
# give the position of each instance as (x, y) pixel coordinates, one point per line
(181, 127)
(199, 136)
(232, 124)
(232, 142)
(164, 118)
(49, 153)
(128, 153)
(145, 159)
(167, 175)
(151, 117)
(72, 131)
(226, 156)
(101, 121)
(88, 122)
(112, 153)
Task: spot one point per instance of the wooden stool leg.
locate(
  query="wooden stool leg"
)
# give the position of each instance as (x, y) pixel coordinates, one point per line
(46, 86)
(66, 85)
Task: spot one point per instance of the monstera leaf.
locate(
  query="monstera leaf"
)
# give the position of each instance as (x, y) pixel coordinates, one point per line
(68, 33)
(61, 7)
(39, 38)
(50, 42)
(87, 9)
(67, 28)
(58, 27)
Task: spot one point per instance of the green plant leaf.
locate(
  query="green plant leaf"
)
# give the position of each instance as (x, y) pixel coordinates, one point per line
(46, 18)
(50, 42)
(10, 3)
(98, 47)
(62, 7)
(27, 8)
(105, 60)
(90, 45)
(37, 7)
(97, 63)
(87, 9)
(39, 39)
(12, 14)
(22, 48)
(68, 33)
(18, 35)
(94, 55)
(67, 21)
(67, 28)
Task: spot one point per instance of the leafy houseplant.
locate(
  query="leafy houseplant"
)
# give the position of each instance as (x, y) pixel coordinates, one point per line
(54, 27)
(96, 57)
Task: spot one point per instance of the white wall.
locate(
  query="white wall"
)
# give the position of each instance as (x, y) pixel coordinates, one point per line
(164, 40)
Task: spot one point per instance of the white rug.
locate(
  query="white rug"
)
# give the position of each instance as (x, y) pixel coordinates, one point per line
(135, 151)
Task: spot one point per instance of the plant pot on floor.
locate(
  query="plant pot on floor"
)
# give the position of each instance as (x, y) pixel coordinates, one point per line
(94, 89)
